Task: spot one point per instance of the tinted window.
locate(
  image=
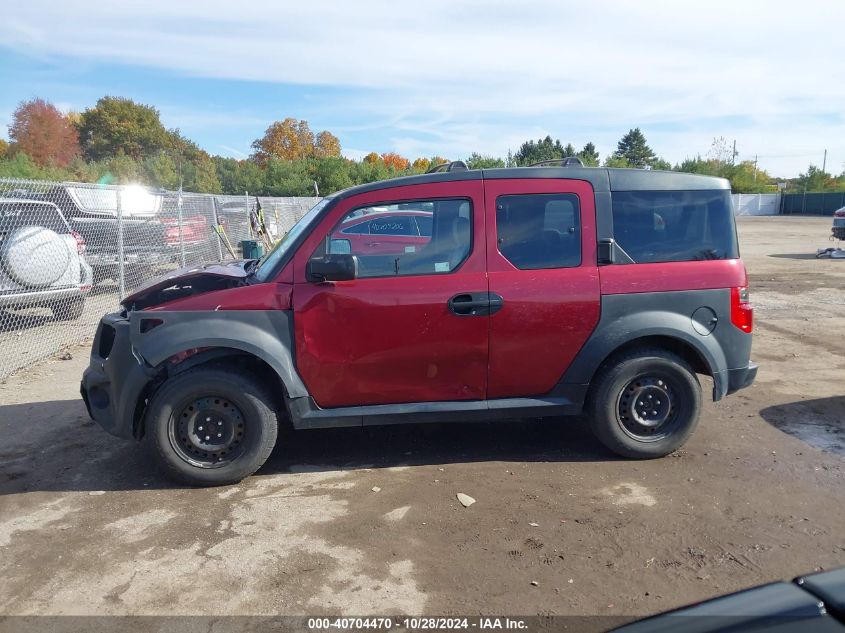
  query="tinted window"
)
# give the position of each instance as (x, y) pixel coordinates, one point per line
(675, 226)
(16, 215)
(393, 225)
(424, 223)
(358, 229)
(395, 247)
(539, 230)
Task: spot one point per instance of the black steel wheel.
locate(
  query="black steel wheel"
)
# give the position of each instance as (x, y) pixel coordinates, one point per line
(208, 432)
(211, 426)
(645, 403)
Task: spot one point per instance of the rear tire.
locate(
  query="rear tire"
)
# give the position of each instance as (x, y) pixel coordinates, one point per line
(645, 404)
(211, 426)
(68, 310)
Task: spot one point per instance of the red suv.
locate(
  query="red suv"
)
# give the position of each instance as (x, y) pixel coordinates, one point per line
(543, 291)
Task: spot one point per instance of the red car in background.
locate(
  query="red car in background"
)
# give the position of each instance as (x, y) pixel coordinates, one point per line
(382, 231)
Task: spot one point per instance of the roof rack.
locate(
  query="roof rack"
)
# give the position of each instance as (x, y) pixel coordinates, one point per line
(455, 165)
(568, 161)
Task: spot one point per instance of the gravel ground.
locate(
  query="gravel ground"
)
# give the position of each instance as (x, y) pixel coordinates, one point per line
(87, 526)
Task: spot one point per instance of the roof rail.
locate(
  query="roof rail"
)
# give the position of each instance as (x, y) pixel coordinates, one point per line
(455, 165)
(567, 161)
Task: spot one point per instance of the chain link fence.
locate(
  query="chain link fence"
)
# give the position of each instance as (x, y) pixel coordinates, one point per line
(69, 251)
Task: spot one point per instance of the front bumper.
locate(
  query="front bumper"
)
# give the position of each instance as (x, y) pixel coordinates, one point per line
(114, 383)
(741, 378)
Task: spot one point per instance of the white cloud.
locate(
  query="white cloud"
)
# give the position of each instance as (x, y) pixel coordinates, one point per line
(452, 77)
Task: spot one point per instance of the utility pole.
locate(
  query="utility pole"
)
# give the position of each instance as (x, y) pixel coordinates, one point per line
(824, 162)
(733, 154)
(755, 167)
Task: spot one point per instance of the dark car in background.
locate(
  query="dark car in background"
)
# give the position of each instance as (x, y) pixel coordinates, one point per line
(42, 260)
(150, 229)
(838, 228)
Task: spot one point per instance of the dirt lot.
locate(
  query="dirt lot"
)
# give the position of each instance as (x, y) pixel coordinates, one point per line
(88, 526)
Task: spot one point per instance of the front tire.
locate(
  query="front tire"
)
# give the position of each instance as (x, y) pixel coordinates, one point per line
(211, 426)
(645, 404)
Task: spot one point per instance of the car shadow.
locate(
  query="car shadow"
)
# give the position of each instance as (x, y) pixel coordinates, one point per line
(54, 446)
(15, 321)
(820, 422)
(794, 255)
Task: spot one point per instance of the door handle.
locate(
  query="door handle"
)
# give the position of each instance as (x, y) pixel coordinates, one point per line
(475, 303)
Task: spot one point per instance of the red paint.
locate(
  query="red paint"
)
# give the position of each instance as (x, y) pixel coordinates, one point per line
(381, 243)
(669, 276)
(547, 314)
(392, 339)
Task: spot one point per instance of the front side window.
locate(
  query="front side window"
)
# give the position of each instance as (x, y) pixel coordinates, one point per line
(675, 226)
(536, 231)
(408, 238)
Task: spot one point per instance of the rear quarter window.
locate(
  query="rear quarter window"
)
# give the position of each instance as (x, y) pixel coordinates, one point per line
(675, 226)
(14, 216)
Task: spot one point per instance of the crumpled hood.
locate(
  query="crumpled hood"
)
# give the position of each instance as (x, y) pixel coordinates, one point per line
(185, 282)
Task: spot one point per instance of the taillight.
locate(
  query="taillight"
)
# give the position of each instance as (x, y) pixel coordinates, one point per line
(839, 214)
(742, 314)
(80, 242)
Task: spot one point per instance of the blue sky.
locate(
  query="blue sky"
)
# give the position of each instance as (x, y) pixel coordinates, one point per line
(450, 78)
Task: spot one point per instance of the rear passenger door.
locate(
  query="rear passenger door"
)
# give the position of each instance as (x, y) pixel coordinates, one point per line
(541, 259)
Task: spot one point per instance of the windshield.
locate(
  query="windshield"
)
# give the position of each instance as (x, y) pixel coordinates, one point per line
(268, 263)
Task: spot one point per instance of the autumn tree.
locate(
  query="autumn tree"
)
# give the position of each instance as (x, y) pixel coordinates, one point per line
(394, 161)
(326, 145)
(293, 140)
(421, 164)
(372, 158)
(42, 132)
(119, 126)
(634, 150)
(4, 149)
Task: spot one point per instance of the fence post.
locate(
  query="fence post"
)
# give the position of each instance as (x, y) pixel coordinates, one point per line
(121, 273)
(181, 233)
(248, 218)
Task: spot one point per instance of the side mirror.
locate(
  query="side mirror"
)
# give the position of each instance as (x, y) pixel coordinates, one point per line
(338, 267)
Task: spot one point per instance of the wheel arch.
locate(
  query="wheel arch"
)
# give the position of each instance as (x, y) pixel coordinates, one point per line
(666, 330)
(173, 342)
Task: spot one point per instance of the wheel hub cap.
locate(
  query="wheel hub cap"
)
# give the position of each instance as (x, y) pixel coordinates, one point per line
(646, 405)
(209, 430)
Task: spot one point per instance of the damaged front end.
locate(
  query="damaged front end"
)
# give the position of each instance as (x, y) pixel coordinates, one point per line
(188, 282)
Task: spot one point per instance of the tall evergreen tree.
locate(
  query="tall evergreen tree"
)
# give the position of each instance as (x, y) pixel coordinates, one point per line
(634, 149)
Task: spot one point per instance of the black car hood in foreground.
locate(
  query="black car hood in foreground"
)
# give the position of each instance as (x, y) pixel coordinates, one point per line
(189, 281)
(809, 604)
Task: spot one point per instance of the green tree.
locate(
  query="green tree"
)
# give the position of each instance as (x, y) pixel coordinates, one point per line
(617, 162)
(814, 179)
(634, 149)
(661, 163)
(478, 161)
(332, 174)
(287, 178)
(589, 156)
(544, 149)
(117, 126)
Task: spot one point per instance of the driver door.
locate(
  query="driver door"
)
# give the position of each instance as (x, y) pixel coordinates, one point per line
(397, 333)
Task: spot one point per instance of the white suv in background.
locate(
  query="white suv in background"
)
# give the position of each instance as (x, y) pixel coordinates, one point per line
(41, 259)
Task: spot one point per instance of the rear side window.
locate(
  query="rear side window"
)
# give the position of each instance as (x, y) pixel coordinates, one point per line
(14, 216)
(675, 226)
(537, 231)
(393, 225)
